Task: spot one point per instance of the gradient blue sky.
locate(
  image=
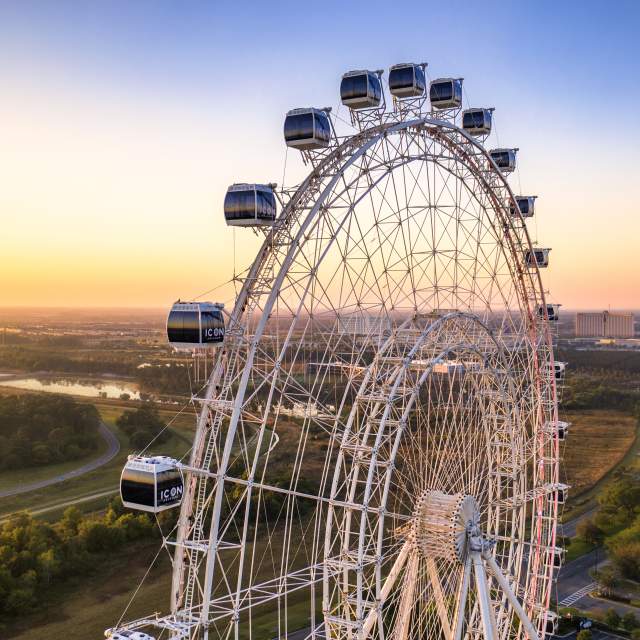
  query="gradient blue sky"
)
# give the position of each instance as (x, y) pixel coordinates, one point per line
(122, 123)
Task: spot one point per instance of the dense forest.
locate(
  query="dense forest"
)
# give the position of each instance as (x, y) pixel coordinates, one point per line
(39, 429)
(36, 555)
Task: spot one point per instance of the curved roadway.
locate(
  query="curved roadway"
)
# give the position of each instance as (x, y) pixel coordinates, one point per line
(113, 447)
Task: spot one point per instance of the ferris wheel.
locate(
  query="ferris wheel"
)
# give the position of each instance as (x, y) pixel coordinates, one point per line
(377, 447)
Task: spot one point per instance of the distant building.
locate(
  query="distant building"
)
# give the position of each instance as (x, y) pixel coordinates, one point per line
(604, 324)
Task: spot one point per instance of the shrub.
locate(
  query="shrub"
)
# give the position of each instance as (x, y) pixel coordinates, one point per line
(612, 619)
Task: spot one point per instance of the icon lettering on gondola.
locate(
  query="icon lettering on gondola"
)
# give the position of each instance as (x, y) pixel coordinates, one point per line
(170, 494)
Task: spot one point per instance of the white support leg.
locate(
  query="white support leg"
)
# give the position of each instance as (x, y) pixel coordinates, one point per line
(486, 610)
(439, 597)
(401, 630)
(462, 600)
(506, 587)
(371, 618)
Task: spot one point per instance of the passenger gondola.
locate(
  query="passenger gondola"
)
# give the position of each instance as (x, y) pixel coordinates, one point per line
(407, 80)
(250, 205)
(562, 429)
(505, 159)
(128, 635)
(307, 129)
(551, 623)
(446, 93)
(562, 493)
(192, 325)
(555, 557)
(151, 484)
(559, 369)
(477, 122)
(537, 258)
(526, 205)
(552, 312)
(361, 90)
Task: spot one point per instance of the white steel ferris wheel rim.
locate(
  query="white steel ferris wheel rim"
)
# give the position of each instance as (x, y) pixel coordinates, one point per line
(190, 559)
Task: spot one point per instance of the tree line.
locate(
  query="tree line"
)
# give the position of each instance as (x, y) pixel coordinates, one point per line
(40, 429)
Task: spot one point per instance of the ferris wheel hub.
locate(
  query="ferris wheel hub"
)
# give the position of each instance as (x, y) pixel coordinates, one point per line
(442, 522)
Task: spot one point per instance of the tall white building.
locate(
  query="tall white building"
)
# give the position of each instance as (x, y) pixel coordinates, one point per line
(604, 324)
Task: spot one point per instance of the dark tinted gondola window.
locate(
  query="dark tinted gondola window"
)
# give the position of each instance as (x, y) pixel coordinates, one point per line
(473, 120)
(138, 487)
(298, 126)
(240, 204)
(190, 327)
(355, 87)
(169, 487)
(265, 205)
(524, 206)
(323, 129)
(401, 78)
(501, 159)
(375, 87)
(175, 326)
(441, 91)
(212, 326)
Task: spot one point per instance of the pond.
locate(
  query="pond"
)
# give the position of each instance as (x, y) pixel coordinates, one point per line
(87, 388)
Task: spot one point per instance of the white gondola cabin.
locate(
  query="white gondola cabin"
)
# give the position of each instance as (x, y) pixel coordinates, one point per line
(151, 484)
(505, 159)
(250, 205)
(551, 622)
(361, 90)
(562, 429)
(192, 325)
(477, 122)
(407, 80)
(446, 93)
(559, 369)
(526, 205)
(551, 311)
(128, 635)
(307, 129)
(555, 557)
(537, 258)
(562, 493)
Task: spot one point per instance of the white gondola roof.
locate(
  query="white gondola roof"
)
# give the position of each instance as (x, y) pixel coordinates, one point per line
(249, 186)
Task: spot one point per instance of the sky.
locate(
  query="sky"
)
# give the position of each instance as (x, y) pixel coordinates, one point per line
(122, 124)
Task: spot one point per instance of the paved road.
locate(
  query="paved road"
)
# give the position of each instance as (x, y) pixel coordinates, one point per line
(598, 634)
(113, 447)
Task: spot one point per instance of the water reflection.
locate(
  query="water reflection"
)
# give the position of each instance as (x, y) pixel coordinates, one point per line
(90, 389)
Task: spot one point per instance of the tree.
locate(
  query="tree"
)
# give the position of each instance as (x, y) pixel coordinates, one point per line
(612, 619)
(585, 634)
(635, 634)
(623, 495)
(607, 580)
(590, 532)
(629, 621)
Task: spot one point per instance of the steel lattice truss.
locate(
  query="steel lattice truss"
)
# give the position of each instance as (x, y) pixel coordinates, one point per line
(375, 453)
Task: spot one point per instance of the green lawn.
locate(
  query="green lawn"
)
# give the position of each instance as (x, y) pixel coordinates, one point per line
(577, 548)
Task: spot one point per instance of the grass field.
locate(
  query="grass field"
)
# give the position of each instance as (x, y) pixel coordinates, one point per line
(597, 442)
